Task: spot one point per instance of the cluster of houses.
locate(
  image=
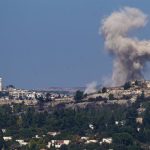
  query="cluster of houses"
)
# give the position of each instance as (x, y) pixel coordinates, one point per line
(120, 94)
(52, 143)
(58, 143)
(30, 97)
(21, 94)
(87, 140)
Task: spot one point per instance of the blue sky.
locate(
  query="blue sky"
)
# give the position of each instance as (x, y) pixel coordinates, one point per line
(56, 42)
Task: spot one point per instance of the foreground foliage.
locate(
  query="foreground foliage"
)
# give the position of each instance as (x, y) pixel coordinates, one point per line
(23, 122)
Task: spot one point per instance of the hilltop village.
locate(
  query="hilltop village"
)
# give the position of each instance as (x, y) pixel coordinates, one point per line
(126, 94)
(123, 95)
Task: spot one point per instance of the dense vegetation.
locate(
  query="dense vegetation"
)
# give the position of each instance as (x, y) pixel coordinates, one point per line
(22, 122)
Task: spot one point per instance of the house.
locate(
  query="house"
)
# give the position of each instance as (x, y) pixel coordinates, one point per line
(37, 136)
(91, 126)
(106, 140)
(58, 143)
(84, 138)
(91, 141)
(4, 130)
(116, 122)
(53, 133)
(22, 142)
(139, 120)
(49, 145)
(140, 110)
(7, 138)
(120, 122)
(138, 129)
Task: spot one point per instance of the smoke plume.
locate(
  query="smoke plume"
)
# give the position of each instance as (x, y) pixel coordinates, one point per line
(91, 88)
(130, 54)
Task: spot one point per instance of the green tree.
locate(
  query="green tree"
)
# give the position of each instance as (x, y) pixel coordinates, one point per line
(134, 147)
(104, 90)
(142, 97)
(127, 85)
(64, 147)
(147, 115)
(147, 135)
(131, 116)
(78, 96)
(36, 144)
(2, 142)
(124, 139)
(111, 96)
(10, 86)
(48, 97)
(136, 83)
(33, 145)
(40, 102)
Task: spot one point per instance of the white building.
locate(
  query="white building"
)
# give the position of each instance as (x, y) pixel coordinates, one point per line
(7, 138)
(22, 142)
(91, 141)
(53, 133)
(91, 126)
(58, 143)
(1, 88)
(4, 130)
(106, 140)
(84, 138)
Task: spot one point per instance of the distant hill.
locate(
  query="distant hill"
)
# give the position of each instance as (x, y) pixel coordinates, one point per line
(65, 89)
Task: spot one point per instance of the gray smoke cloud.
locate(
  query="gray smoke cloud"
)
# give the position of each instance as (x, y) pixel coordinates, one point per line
(91, 88)
(130, 54)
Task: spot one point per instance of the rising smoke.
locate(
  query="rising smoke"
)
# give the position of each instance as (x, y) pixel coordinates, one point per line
(130, 54)
(91, 88)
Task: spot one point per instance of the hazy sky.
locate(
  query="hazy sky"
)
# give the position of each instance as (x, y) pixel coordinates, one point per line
(56, 42)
